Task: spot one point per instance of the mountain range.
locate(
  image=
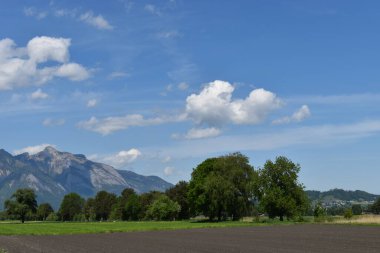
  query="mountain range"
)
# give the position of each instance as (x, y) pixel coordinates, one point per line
(341, 195)
(52, 174)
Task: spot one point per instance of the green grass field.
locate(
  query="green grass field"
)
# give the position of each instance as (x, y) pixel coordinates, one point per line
(60, 228)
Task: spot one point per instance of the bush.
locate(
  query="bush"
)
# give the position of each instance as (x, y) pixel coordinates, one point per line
(52, 217)
(163, 209)
(348, 213)
(319, 213)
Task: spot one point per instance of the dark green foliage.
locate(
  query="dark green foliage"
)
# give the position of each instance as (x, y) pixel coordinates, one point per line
(103, 203)
(146, 199)
(222, 187)
(89, 210)
(178, 193)
(279, 192)
(357, 209)
(163, 208)
(335, 210)
(132, 209)
(44, 210)
(22, 202)
(71, 206)
(375, 208)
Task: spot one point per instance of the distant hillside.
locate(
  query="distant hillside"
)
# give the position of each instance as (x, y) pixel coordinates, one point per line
(52, 174)
(339, 194)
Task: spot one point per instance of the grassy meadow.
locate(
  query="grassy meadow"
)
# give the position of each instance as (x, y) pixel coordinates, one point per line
(61, 228)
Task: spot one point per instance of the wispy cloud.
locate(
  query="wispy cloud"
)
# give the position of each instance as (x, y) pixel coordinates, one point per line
(275, 139)
(119, 159)
(152, 9)
(38, 95)
(33, 12)
(32, 149)
(117, 74)
(109, 125)
(97, 21)
(298, 116)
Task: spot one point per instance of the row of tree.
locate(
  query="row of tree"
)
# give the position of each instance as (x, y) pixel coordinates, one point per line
(225, 187)
(220, 188)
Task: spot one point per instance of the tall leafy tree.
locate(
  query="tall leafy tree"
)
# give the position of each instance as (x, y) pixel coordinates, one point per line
(222, 187)
(132, 207)
(146, 199)
(279, 191)
(375, 208)
(89, 209)
(71, 206)
(103, 203)
(22, 202)
(44, 210)
(178, 193)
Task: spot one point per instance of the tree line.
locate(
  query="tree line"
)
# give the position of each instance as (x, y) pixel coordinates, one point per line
(220, 188)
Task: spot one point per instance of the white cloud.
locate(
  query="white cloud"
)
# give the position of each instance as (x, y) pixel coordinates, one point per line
(39, 94)
(72, 71)
(117, 74)
(109, 125)
(214, 106)
(183, 86)
(42, 49)
(20, 66)
(33, 149)
(298, 116)
(33, 12)
(169, 171)
(53, 122)
(122, 158)
(92, 103)
(96, 21)
(200, 133)
(152, 9)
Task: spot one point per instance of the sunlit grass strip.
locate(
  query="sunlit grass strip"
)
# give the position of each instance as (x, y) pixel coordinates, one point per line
(60, 228)
(361, 219)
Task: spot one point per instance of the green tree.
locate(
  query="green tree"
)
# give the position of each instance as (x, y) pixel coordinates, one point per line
(163, 208)
(44, 210)
(71, 206)
(357, 209)
(319, 212)
(104, 202)
(89, 209)
(178, 193)
(118, 211)
(375, 208)
(22, 202)
(279, 192)
(222, 187)
(132, 208)
(146, 199)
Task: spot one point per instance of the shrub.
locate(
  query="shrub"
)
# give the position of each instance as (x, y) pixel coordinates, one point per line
(348, 213)
(52, 217)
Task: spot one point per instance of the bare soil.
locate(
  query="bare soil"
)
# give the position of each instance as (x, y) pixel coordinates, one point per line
(278, 238)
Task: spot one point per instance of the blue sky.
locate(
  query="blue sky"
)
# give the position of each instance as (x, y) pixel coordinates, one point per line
(158, 86)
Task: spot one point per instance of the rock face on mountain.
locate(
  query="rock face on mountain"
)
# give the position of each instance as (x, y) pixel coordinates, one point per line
(52, 174)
